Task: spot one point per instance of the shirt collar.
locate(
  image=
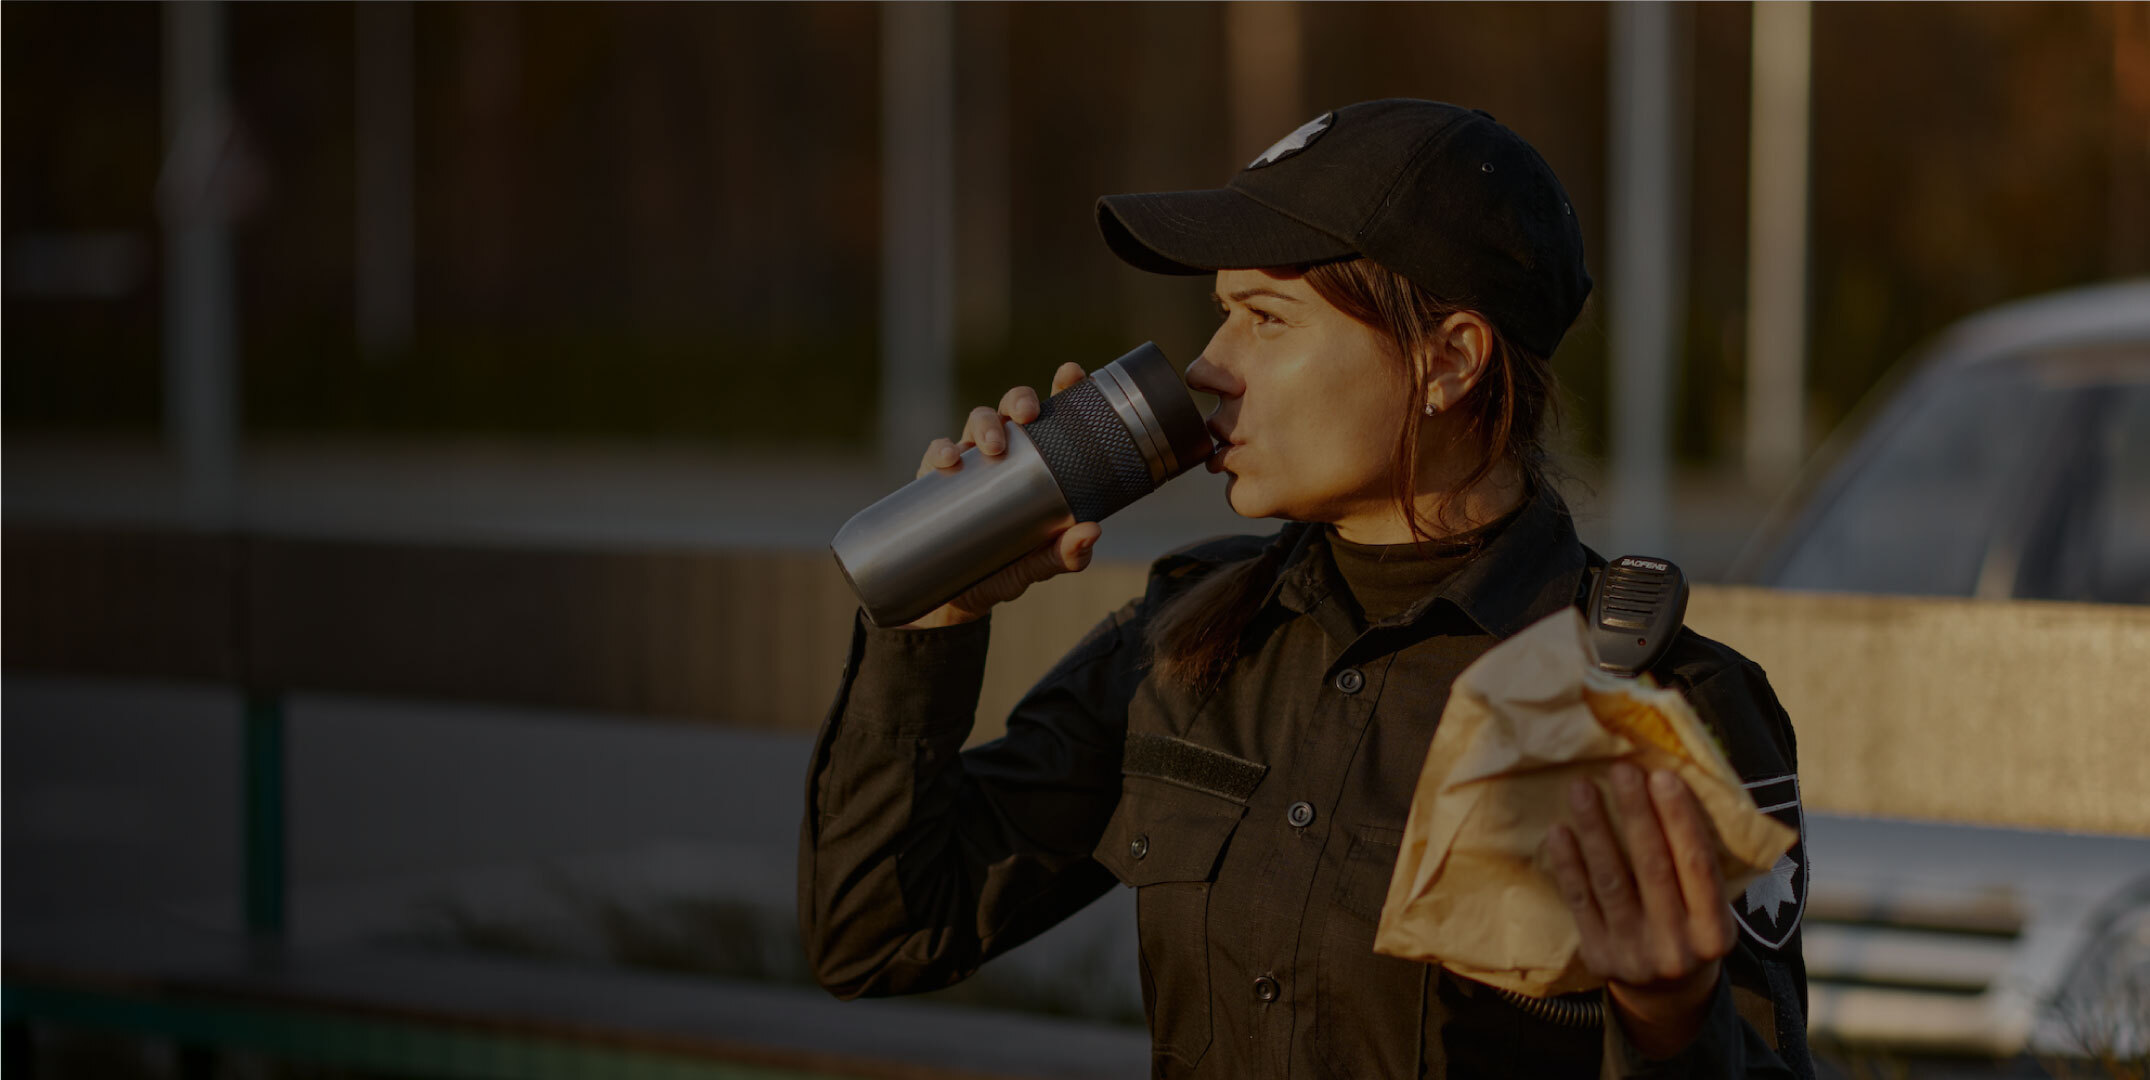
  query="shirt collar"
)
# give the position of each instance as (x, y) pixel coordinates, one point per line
(1532, 569)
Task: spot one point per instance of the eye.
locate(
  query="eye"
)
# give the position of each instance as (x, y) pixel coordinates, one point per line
(1263, 318)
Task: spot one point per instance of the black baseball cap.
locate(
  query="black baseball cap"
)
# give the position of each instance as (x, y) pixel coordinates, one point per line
(1446, 196)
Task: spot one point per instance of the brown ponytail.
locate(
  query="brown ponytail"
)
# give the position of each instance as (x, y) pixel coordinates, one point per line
(1195, 636)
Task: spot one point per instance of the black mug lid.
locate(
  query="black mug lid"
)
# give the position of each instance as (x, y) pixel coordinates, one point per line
(1167, 398)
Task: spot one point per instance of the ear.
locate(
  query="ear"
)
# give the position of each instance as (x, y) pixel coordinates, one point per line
(1456, 358)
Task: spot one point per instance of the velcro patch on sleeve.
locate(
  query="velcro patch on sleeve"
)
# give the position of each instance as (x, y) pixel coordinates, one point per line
(1192, 765)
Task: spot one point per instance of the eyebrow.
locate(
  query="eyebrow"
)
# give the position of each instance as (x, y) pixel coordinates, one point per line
(1244, 295)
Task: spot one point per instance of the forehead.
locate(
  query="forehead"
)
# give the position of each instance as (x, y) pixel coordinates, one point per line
(1288, 282)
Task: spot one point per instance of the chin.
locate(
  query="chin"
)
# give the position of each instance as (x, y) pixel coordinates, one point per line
(1246, 500)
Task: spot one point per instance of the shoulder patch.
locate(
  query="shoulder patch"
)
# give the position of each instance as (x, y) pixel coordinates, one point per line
(1770, 909)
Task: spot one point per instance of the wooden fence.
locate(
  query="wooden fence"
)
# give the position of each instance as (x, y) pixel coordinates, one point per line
(2019, 713)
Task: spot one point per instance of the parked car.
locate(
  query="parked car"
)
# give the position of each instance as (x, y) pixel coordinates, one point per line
(2010, 459)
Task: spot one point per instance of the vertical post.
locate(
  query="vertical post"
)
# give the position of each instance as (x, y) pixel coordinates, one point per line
(264, 802)
(200, 317)
(198, 1061)
(1777, 241)
(1647, 241)
(1262, 74)
(917, 229)
(386, 120)
(984, 294)
(1159, 140)
(18, 1048)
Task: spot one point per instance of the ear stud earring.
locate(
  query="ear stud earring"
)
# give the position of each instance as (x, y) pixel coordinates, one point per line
(1431, 408)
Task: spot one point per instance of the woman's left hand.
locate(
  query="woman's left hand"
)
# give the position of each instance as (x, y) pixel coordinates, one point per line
(1654, 921)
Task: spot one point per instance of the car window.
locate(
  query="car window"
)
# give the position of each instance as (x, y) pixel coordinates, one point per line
(2097, 546)
(1923, 503)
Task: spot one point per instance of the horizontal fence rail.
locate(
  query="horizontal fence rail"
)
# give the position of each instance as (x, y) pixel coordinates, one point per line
(2023, 713)
(2013, 713)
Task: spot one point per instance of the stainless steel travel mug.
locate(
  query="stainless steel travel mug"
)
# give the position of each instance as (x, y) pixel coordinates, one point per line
(1094, 448)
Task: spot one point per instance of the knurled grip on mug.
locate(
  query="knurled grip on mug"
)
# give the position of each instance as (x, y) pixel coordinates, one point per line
(1089, 451)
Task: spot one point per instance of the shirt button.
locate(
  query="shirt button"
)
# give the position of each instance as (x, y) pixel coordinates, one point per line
(1265, 989)
(1300, 815)
(1138, 847)
(1350, 680)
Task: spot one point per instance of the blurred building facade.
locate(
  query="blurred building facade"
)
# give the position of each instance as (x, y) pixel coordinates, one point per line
(665, 221)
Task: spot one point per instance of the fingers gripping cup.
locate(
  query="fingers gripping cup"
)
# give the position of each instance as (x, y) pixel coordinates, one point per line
(1094, 448)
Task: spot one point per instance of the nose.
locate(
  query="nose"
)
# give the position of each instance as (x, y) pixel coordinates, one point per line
(1211, 372)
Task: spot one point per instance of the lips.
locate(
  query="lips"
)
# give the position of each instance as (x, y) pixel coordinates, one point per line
(1223, 439)
(1217, 459)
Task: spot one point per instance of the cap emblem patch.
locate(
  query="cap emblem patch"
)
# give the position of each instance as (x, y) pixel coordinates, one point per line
(1296, 141)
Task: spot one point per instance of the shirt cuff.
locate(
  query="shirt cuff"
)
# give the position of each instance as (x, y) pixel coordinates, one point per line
(916, 682)
(1714, 1052)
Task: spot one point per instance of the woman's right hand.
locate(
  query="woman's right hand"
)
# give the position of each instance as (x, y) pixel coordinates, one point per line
(1064, 554)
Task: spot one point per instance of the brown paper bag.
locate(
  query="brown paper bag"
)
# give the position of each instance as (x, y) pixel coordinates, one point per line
(1472, 890)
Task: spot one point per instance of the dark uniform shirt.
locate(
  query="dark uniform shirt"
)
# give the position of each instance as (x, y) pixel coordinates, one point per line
(1259, 819)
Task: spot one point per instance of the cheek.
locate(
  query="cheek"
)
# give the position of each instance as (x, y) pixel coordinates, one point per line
(1341, 440)
(1356, 440)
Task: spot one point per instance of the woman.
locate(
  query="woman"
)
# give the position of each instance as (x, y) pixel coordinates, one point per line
(1241, 743)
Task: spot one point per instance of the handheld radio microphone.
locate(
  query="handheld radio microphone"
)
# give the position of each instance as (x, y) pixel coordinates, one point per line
(1094, 448)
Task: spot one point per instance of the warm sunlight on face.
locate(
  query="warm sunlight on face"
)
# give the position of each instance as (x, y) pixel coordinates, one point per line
(1311, 403)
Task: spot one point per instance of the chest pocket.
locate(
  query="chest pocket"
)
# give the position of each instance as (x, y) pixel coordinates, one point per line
(1166, 841)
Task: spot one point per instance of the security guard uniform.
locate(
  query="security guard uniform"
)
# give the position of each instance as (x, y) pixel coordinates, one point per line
(1258, 819)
